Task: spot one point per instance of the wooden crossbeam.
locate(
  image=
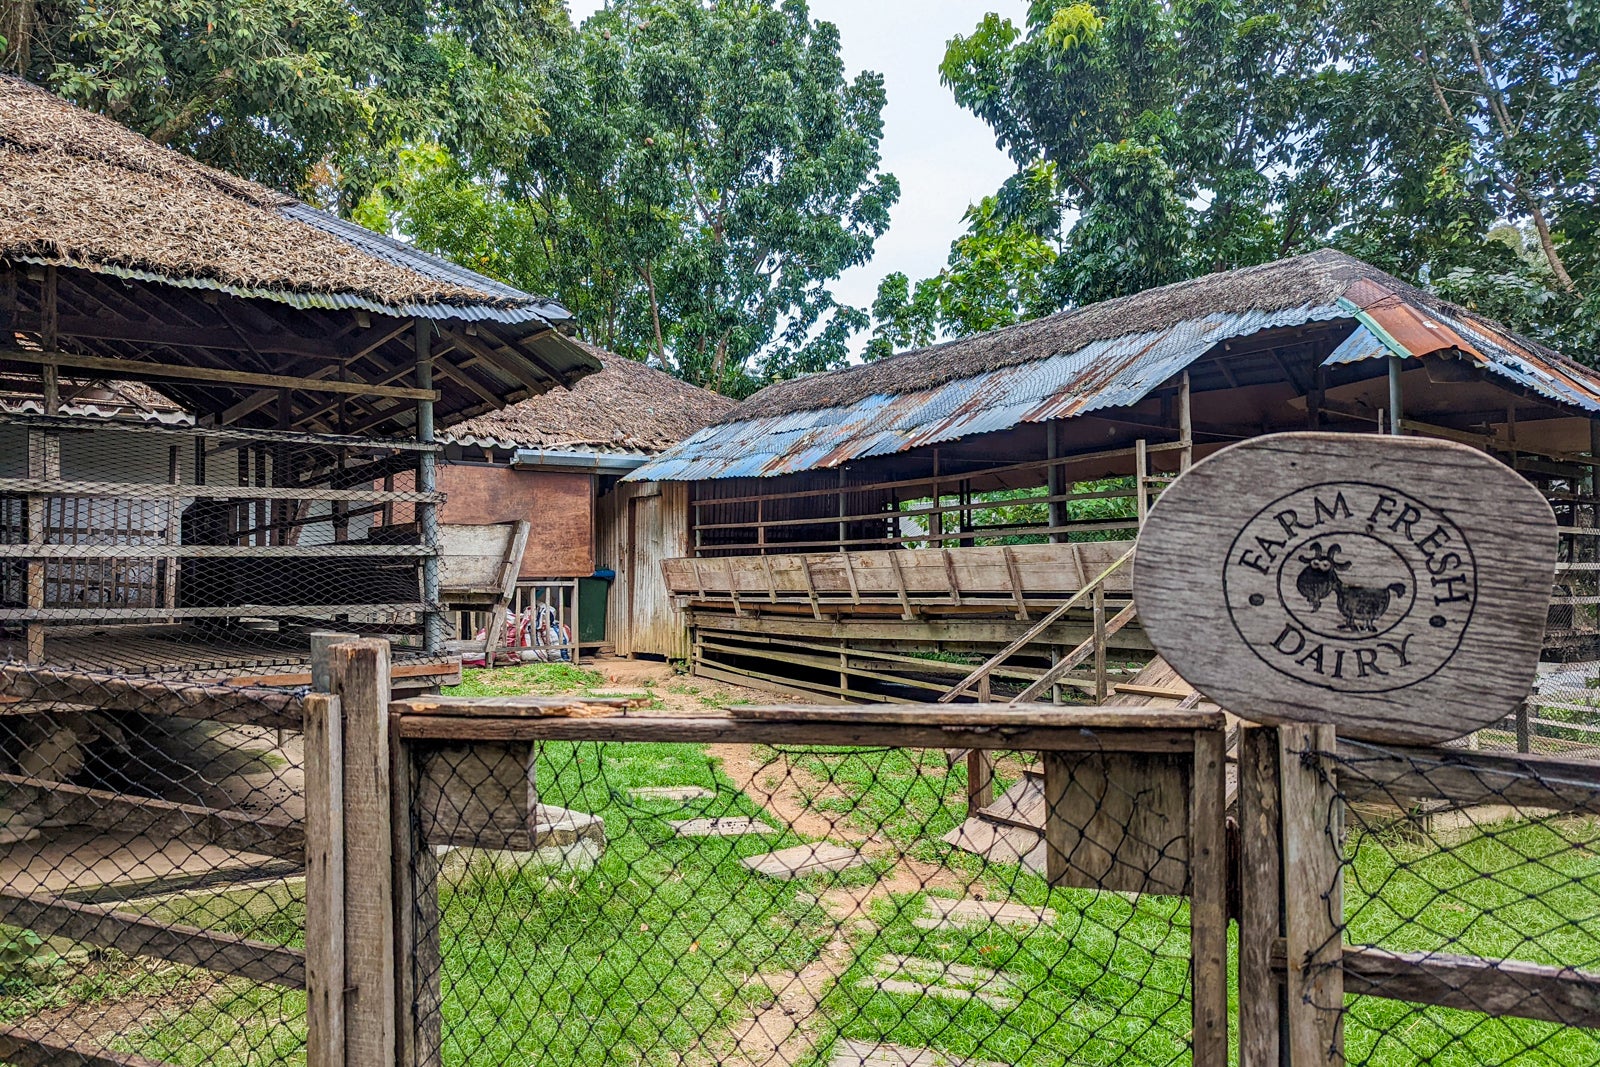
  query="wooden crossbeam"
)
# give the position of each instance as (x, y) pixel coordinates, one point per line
(114, 693)
(20, 1048)
(1076, 656)
(139, 935)
(136, 369)
(157, 819)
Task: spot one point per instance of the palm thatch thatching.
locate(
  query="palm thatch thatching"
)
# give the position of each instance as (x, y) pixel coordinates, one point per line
(1317, 279)
(625, 407)
(82, 191)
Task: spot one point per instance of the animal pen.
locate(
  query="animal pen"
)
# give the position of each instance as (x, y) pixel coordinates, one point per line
(947, 523)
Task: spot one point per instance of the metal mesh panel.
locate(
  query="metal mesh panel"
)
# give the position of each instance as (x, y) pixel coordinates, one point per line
(1471, 907)
(152, 874)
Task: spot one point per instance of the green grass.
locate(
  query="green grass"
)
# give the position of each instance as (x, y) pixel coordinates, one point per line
(538, 678)
(646, 957)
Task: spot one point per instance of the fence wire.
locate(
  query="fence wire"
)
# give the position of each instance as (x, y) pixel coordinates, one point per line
(211, 550)
(751, 905)
(151, 872)
(1471, 890)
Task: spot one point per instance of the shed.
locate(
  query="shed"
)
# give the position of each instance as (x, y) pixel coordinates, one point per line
(884, 528)
(557, 461)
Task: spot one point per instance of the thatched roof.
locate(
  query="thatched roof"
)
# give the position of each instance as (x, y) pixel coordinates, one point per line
(1317, 279)
(81, 190)
(626, 407)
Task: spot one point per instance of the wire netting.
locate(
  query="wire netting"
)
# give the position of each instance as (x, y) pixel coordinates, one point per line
(1471, 890)
(203, 550)
(746, 904)
(151, 871)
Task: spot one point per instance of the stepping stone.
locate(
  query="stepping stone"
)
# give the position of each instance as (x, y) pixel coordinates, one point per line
(849, 1053)
(805, 859)
(945, 914)
(671, 792)
(724, 826)
(914, 976)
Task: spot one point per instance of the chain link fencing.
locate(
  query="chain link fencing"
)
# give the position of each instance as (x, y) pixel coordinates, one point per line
(1471, 906)
(152, 855)
(757, 904)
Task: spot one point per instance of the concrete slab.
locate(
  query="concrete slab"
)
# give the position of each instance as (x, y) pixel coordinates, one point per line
(849, 1053)
(920, 977)
(801, 860)
(944, 914)
(678, 793)
(721, 826)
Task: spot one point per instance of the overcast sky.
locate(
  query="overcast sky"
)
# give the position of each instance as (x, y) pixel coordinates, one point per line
(944, 157)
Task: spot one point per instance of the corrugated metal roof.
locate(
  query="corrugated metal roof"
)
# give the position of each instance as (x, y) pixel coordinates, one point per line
(1112, 373)
(429, 266)
(1390, 326)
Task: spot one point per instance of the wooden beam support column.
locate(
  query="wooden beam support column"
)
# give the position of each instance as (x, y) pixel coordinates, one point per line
(435, 626)
(1313, 908)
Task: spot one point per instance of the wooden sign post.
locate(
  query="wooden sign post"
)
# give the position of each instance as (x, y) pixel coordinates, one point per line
(1394, 587)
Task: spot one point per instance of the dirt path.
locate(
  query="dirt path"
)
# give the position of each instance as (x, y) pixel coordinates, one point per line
(784, 1032)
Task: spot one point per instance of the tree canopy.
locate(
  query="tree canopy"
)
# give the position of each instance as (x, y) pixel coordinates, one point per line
(706, 171)
(310, 96)
(1453, 144)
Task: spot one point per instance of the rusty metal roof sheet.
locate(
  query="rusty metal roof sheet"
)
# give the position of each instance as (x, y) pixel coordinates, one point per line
(1124, 349)
(1111, 373)
(1391, 326)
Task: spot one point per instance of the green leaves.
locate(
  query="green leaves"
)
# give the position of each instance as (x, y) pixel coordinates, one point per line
(306, 95)
(1187, 136)
(706, 170)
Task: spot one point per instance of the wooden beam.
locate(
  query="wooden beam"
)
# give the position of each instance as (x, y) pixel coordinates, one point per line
(227, 339)
(21, 1049)
(135, 369)
(1497, 988)
(324, 859)
(183, 700)
(139, 935)
(1077, 655)
(1208, 909)
(159, 819)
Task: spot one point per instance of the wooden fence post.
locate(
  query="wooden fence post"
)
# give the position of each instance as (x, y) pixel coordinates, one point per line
(1313, 897)
(416, 911)
(359, 677)
(1261, 990)
(1208, 908)
(325, 970)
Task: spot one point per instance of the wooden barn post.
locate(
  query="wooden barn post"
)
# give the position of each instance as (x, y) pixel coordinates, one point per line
(1261, 989)
(325, 886)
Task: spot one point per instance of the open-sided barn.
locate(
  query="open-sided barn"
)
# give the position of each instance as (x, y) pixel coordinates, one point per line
(313, 360)
(882, 528)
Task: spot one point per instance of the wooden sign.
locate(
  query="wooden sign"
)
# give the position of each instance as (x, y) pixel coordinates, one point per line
(1396, 587)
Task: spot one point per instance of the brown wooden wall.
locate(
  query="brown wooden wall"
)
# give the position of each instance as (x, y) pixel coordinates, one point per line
(641, 524)
(560, 507)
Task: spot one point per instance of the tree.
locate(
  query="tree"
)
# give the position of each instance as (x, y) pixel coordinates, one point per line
(1188, 136)
(309, 96)
(706, 172)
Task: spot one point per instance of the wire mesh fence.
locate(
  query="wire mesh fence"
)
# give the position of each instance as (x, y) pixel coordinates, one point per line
(223, 545)
(1471, 906)
(763, 904)
(151, 871)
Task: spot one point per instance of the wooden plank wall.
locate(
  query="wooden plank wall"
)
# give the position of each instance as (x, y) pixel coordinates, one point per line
(559, 506)
(638, 526)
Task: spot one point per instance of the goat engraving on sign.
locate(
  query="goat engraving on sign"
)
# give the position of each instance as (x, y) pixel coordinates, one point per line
(1329, 585)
